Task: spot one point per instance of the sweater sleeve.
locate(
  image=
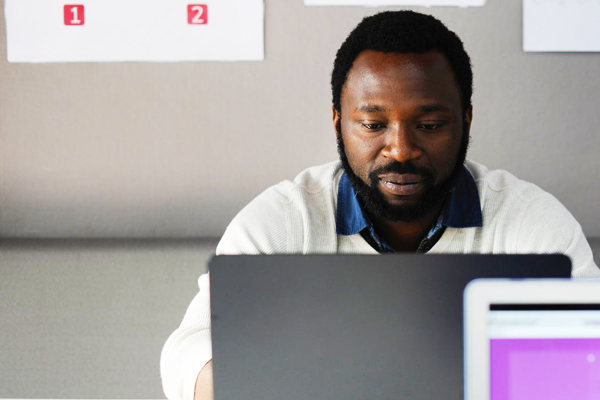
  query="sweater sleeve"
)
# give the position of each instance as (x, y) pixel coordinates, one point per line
(548, 227)
(260, 228)
(189, 348)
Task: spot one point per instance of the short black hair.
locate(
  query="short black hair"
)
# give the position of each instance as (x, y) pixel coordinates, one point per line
(403, 32)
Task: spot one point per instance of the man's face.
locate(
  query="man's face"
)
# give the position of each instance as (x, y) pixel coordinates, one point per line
(402, 135)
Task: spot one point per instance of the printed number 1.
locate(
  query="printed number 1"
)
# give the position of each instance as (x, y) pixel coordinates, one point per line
(197, 14)
(74, 14)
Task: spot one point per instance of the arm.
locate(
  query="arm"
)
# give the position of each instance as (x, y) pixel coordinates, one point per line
(186, 367)
(204, 383)
(189, 348)
(548, 227)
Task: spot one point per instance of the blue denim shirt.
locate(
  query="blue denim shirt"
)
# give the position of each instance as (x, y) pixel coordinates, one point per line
(462, 209)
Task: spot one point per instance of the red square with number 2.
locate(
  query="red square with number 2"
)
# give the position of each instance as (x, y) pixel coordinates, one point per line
(74, 14)
(197, 14)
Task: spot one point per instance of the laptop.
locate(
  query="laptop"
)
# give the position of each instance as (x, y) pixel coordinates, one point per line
(532, 339)
(345, 327)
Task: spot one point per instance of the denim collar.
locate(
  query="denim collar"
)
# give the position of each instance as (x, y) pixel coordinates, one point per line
(462, 208)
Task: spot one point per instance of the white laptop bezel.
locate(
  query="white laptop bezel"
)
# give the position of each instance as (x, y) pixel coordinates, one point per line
(478, 296)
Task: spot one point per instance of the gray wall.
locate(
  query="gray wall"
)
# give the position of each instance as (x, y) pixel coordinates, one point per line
(175, 150)
(87, 319)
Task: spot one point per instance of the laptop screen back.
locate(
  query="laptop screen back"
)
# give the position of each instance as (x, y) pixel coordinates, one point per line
(348, 327)
(544, 351)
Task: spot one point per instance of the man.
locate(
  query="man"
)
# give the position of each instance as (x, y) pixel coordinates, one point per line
(402, 113)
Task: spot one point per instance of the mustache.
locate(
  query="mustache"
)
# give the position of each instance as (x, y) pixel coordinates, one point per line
(407, 167)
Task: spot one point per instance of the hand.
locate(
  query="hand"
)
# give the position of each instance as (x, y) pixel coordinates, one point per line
(204, 383)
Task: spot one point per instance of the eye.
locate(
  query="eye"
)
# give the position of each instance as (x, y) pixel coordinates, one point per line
(373, 126)
(430, 127)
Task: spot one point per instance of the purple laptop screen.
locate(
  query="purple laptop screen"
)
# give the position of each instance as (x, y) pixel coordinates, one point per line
(549, 369)
(545, 355)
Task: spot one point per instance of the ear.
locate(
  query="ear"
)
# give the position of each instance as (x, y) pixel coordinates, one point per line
(336, 119)
(468, 119)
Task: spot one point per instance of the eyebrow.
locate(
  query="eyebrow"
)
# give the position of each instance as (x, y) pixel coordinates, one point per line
(369, 108)
(426, 108)
(429, 108)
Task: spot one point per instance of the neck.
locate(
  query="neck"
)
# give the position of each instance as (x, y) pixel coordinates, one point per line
(405, 236)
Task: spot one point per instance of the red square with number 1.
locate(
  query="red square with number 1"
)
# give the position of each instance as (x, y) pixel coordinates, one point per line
(197, 14)
(74, 14)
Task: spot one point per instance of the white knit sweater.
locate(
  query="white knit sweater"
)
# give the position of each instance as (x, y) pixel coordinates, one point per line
(299, 217)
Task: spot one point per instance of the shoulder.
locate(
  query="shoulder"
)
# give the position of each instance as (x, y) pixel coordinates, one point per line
(529, 219)
(308, 184)
(501, 192)
(271, 222)
(505, 196)
(316, 179)
(499, 183)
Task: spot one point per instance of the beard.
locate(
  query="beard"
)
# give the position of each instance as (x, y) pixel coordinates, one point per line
(375, 203)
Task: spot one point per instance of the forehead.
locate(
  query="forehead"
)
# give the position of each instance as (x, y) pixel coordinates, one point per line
(405, 79)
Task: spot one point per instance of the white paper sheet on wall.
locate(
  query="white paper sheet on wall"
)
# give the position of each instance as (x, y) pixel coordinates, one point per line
(134, 30)
(561, 25)
(377, 3)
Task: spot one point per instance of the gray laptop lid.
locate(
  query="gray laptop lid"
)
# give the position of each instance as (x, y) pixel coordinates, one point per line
(348, 327)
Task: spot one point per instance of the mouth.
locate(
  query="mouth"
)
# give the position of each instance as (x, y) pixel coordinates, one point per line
(402, 184)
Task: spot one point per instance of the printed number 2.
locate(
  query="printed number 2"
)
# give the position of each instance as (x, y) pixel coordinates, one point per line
(197, 14)
(74, 14)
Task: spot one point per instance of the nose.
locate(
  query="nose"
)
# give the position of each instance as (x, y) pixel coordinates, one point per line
(401, 144)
